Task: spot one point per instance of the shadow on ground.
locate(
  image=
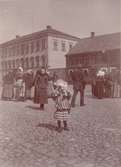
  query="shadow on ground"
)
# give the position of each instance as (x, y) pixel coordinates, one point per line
(33, 107)
(48, 126)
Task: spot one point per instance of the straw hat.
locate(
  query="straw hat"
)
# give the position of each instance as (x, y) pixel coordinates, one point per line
(61, 83)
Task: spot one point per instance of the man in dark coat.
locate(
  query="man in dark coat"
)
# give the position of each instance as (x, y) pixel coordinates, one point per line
(78, 86)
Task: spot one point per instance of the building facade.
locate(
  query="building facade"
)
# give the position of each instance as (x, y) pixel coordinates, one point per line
(96, 52)
(46, 48)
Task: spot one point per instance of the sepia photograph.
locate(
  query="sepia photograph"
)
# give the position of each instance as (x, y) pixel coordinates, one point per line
(60, 83)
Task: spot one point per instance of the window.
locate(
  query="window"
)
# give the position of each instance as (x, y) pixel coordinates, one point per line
(43, 61)
(17, 49)
(80, 60)
(32, 47)
(63, 46)
(26, 63)
(104, 58)
(17, 62)
(70, 45)
(32, 62)
(2, 65)
(13, 50)
(13, 64)
(27, 48)
(22, 62)
(5, 52)
(37, 61)
(43, 44)
(92, 59)
(22, 49)
(9, 64)
(10, 51)
(6, 65)
(37, 45)
(55, 45)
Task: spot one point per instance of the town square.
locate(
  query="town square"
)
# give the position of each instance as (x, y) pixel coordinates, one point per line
(60, 83)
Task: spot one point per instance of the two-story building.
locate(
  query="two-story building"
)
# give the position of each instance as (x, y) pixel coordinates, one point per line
(44, 48)
(96, 52)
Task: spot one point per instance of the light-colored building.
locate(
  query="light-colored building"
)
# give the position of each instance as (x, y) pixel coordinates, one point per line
(44, 48)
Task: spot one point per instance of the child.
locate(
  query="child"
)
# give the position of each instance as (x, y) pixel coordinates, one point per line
(61, 98)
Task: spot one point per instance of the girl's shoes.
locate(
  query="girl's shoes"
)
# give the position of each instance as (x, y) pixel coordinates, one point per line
(59, 129)
(66, 128)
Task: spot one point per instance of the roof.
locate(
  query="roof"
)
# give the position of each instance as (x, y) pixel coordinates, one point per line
(49, 31)
(97, 43)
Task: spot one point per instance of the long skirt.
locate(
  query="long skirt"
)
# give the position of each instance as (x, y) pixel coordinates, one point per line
(99, 91)
(50, 89)
(19, 89)
(7, 91)
(117, 90)
(62, 115)
(28, 92)
(108, 92)
(40, 96)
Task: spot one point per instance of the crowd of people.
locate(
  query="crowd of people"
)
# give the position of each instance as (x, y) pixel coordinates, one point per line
(18, 84)
(107, 85)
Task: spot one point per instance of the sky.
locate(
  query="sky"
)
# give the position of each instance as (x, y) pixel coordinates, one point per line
(75, 17)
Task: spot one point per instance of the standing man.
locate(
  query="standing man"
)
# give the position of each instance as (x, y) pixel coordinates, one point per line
(78, 86)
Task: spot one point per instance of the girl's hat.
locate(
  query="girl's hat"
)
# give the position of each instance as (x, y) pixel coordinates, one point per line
(61, 83)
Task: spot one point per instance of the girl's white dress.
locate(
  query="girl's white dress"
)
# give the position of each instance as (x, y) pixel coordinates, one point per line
(62, 105)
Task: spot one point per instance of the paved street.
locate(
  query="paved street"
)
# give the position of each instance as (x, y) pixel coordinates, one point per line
(28, 137)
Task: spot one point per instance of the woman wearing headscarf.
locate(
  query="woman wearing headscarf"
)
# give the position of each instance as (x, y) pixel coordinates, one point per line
(99, 88)
(41, 88)
(19, 87)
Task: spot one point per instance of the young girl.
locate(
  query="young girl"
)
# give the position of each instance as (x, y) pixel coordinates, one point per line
(61, 97)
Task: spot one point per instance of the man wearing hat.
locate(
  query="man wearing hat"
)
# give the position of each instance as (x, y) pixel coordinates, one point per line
(78, 86)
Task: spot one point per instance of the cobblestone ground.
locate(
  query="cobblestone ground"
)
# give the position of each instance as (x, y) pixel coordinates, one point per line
(28, 136)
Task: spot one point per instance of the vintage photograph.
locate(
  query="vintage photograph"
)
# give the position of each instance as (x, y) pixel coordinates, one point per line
(60, 83)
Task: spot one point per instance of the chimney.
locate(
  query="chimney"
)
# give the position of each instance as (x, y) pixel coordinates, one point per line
(17, 36)
(49, 27)
(92, 34)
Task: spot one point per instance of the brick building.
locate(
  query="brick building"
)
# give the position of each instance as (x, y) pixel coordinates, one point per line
(96, 52)
(44, 48)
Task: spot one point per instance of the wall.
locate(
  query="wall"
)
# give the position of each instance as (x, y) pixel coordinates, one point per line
(56, 59)
(0, 66)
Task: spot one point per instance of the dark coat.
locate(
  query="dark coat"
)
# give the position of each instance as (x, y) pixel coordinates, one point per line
(28, 79)
(99, 87)
(78, 80)
(40, 92)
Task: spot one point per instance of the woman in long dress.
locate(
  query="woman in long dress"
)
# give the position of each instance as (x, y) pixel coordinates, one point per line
(41, 88)
(8, 82)
(19, 84)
